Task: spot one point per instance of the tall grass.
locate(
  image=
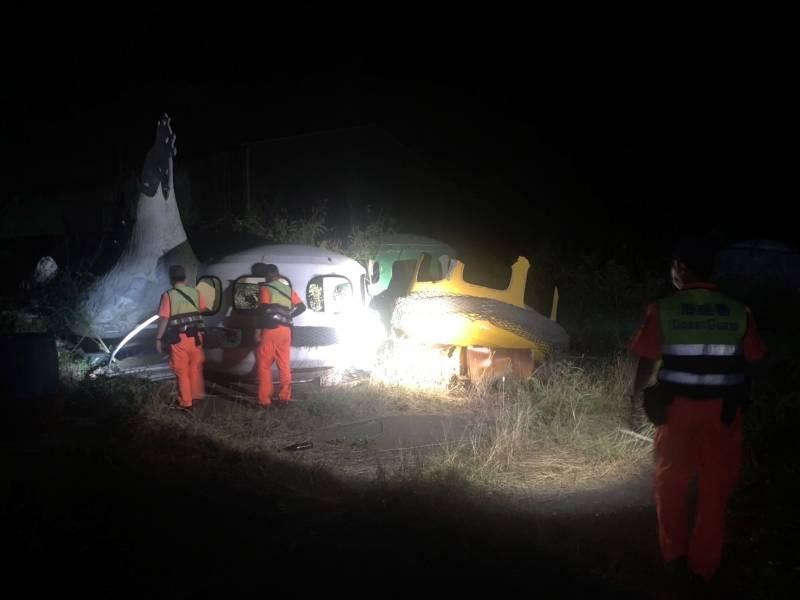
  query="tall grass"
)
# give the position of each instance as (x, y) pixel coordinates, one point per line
(557, 430)
(560, 426)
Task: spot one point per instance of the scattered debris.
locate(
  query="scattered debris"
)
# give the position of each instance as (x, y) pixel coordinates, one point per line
(300, 446)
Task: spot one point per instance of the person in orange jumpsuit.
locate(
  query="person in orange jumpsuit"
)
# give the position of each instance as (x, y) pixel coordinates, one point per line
(704, 339)
(279, 305)
(180, 325)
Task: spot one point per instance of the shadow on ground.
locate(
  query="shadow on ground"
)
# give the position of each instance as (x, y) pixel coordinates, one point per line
(110, 501)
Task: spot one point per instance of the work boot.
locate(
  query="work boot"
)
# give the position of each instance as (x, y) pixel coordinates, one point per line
(679, 577)
(700, 588)
(187, 411)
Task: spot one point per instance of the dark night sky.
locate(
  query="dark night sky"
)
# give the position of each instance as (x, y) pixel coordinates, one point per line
(615, 141)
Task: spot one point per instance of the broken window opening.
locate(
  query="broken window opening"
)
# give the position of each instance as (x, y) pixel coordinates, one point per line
(246, 292)
(330, 293)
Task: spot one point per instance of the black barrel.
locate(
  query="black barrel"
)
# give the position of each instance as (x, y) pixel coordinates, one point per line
(29, 387)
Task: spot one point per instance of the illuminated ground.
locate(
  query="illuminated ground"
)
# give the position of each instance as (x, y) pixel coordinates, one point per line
(179, 515)
(154, 505)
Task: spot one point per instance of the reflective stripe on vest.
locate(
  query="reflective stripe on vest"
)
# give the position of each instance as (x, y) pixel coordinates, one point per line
(702, 349)
(702, 332)
(694, 379)
(181, 320)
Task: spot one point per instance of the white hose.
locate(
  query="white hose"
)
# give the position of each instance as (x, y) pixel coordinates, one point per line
(639, 436)
(128, 337)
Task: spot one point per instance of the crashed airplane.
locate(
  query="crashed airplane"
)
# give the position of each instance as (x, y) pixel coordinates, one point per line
(492, 329)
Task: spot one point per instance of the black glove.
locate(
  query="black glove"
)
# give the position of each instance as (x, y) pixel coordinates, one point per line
(655, 403)
(298, 309)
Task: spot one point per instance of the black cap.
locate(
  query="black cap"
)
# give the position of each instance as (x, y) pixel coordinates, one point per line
(263, 270)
